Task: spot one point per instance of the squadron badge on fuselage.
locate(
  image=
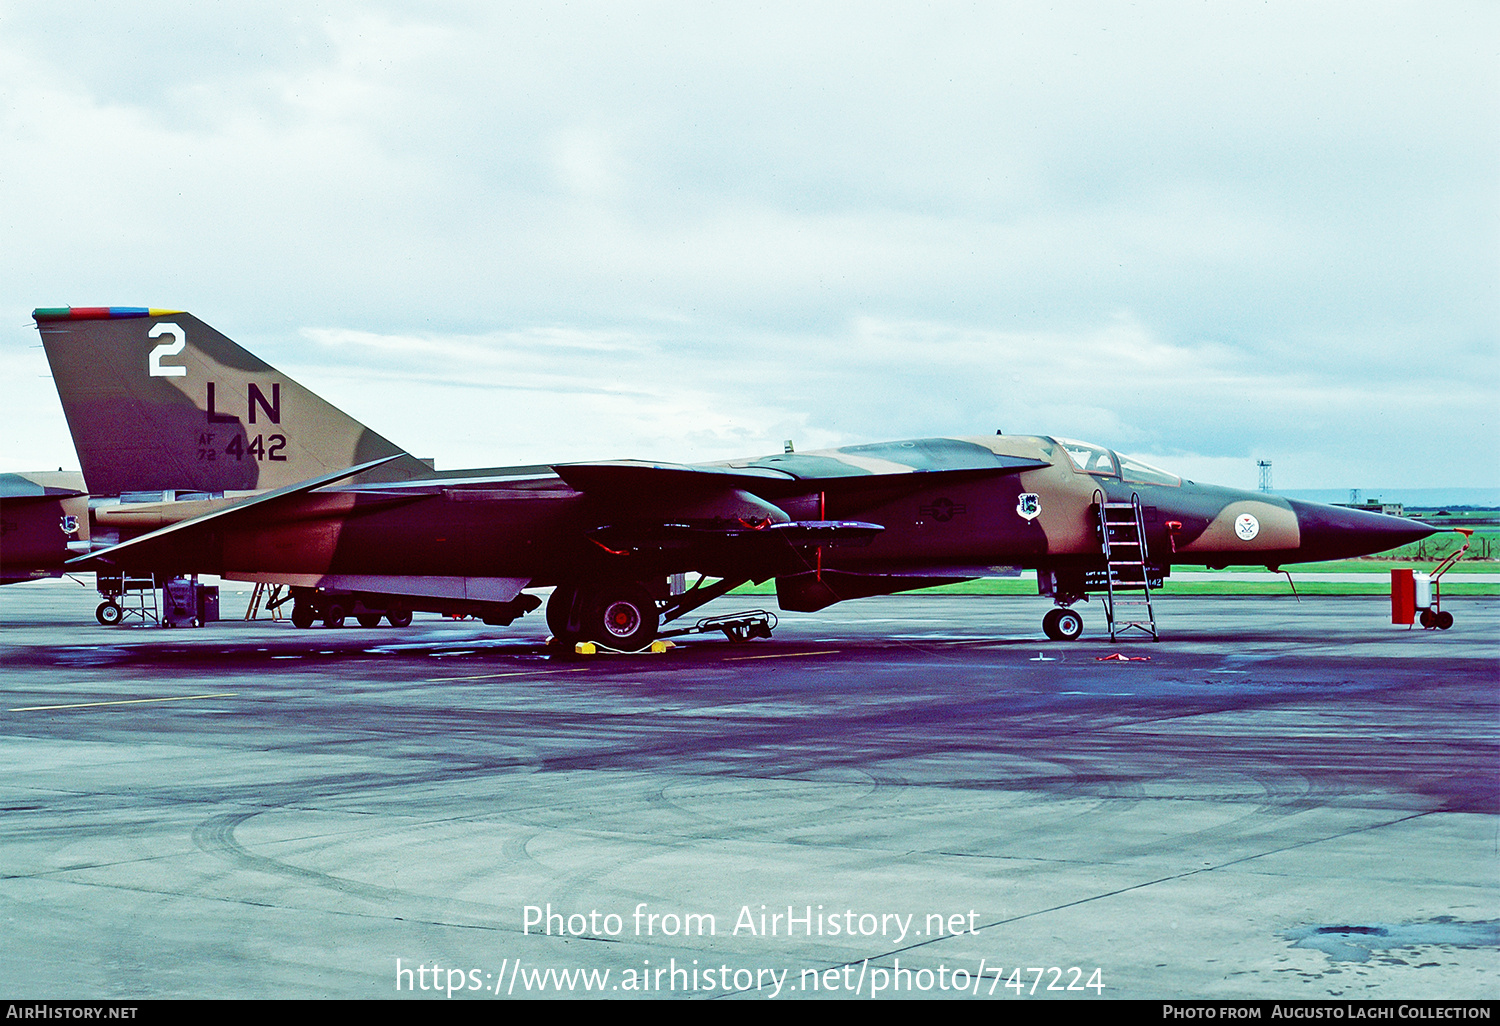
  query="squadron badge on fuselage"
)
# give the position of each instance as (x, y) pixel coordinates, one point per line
(1029, 505)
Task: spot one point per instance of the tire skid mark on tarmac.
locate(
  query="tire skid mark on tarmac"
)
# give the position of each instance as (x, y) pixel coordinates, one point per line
(582, 887)
(1283, 790)
(740, 791)
(215, 836)
(515, 850)
(799, 746)
(1165, 879)
(632, 849)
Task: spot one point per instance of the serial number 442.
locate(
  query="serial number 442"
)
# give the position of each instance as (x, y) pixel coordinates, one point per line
(266, 447)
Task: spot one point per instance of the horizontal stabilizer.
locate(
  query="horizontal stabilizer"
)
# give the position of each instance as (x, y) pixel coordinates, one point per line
(46, 485)
(52, 496)
(185, 529)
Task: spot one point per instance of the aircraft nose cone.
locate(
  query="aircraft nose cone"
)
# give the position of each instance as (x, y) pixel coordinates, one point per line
(1333, 532)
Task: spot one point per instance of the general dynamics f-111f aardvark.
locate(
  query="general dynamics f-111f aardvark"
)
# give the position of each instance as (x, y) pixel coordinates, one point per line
(355, 524)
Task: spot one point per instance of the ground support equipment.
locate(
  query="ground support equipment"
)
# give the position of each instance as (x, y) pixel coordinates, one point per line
(755, 623)
(1421, 595)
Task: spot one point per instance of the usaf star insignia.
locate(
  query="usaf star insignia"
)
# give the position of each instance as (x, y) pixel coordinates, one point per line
(944, 509)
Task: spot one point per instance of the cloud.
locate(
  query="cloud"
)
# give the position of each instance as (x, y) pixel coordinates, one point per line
(1197, 229)
(557, 393)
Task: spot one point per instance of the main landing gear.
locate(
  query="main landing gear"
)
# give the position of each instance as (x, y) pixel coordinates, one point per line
(1063, 624)
(627, 615)
(622, 615)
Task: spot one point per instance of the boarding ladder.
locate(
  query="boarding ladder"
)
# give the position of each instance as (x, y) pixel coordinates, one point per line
(139, 599)
(270, 597)
(1122, 533)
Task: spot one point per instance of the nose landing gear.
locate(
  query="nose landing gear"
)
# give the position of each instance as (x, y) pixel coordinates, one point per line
(1063, 624)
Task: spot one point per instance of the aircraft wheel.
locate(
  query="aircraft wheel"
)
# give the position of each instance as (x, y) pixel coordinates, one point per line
(1443, 620)
(1426, 619)
(559, 608)
(399, 616)
(624, 616)
(302, 615)
(108, 613)
(1063, 624)
(1070, 624)
(368, 619)
(1049, 624)
(334, 615)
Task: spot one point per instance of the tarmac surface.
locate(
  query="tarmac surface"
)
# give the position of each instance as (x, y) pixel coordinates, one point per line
(1277, 800)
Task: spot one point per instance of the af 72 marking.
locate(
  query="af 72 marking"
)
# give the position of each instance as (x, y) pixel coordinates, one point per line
(263, 447)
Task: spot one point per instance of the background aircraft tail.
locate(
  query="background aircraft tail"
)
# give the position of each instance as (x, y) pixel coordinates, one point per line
(157, 400)
(44, 522)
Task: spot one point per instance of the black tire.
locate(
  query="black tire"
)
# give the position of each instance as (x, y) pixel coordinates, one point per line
(303, 615)
(623, 616)
(559, 607)
(399, 617)
(369, 620)
(1426, 619)
(1049, 624)
(1443, 620)
(333, 616)
(109, 613)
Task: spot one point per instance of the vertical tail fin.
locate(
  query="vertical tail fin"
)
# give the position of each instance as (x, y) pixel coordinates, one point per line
(158, 400)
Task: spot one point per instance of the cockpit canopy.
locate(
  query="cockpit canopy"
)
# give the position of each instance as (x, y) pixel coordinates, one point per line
(1102, 462)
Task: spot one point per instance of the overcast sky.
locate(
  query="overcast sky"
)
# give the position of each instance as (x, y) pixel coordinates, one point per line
(1204, 233)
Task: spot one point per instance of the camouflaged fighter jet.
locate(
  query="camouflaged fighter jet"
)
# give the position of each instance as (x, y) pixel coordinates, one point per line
(389, 535)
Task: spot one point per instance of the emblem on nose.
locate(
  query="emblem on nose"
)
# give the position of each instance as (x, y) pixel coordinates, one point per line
(1246, 526)
(1029, 505)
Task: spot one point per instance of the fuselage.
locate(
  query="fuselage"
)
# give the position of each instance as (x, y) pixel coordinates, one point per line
(945, 509)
